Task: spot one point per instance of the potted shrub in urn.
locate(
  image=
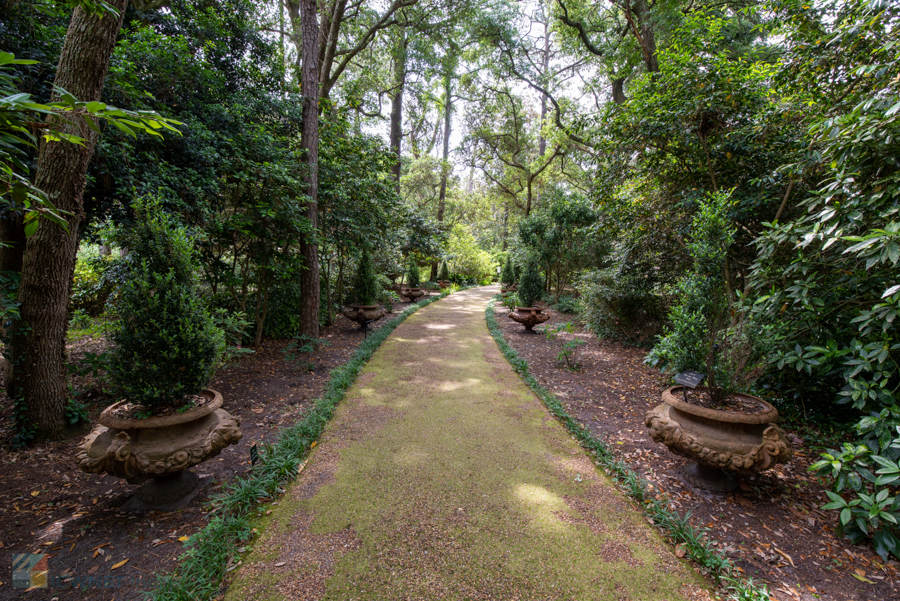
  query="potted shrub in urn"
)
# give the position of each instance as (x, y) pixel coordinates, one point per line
(530, 289)
(165, 350)
(365, 292)
(413, 279)
(721, 427)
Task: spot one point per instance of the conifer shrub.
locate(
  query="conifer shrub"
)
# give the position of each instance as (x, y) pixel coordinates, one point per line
(165, 343)
(413, 277)
(365, 284)
(508, 276)
(444, 275)
(531, 285)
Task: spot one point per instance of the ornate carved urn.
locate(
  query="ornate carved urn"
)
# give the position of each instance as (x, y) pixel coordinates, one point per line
(444, 284)
(413, 294)
(719, 441)
(363, 314)
(528, 317)
(159, 449)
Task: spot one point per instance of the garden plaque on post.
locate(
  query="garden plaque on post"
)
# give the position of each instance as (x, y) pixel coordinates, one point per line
(689, 379)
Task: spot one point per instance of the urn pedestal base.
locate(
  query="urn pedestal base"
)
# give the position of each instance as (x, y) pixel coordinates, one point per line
(528, 317)
(708, 478)
(165, 493)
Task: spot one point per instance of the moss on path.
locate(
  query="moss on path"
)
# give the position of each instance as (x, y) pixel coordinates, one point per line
(443, 477)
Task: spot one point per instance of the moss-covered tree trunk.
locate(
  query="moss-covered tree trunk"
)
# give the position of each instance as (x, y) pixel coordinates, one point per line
(38, 354)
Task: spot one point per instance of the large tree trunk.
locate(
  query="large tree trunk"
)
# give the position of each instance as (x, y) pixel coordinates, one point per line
(309, 141)
(397, 100)
(445, 164)
(38, 353)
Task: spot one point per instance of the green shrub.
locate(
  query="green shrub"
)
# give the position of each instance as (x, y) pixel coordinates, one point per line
(365, 286)
(413, 277)
(444, 275)
(165, 344)
(531, 286)
(386, 294)
(707, 333)
(282, 320)
(621, 305)
(567, 303)
(80, 320)
(507, 276)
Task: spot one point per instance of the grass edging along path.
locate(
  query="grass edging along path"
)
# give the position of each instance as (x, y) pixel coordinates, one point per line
(204, 563)
(695, 542)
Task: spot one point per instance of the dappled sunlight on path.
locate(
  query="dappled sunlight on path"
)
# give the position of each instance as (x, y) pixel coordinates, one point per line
(443, 477)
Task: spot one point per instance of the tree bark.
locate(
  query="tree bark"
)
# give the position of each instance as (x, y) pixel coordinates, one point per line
(445, 164)
(38, 352)
(397, 100)
(309, 142)
(618, 90)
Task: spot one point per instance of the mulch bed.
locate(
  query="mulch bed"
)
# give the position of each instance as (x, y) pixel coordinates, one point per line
(771, 526)
(47, 505)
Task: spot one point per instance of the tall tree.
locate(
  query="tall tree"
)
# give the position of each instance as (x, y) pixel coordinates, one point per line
(38, 355)
(309, 142)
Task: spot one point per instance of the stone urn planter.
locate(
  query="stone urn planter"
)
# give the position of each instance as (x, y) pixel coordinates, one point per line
(159, 450)
(528, 317)
(363, 314)
(412, 294)
(444, 284)
(720, 442)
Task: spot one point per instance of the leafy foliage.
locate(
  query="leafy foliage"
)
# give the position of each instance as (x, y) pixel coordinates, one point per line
(702, 336)
(558, 235)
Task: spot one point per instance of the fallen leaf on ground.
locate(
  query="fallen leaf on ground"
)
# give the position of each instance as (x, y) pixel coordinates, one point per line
(786, 556)
(118, 565)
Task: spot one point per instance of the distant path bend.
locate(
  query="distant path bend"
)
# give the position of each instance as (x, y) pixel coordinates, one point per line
(443, 477)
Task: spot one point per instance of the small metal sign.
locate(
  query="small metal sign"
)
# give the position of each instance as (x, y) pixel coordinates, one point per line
(254, 455)
(691, 379)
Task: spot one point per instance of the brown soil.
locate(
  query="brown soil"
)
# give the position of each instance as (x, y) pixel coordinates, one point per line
(138, 411)
(772, 527)
(736, 403)
(47, 505)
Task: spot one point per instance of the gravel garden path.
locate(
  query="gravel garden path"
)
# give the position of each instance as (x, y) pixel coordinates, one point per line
(443, 477)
